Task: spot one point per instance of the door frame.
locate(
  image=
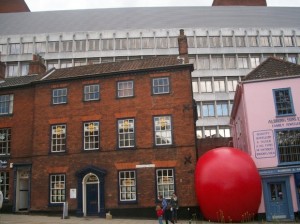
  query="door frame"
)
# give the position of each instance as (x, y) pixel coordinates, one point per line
(18, 170)
(286, 181)
(82, 176)
(84, 193)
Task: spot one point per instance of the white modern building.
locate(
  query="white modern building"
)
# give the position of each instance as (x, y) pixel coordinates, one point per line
(225, 44)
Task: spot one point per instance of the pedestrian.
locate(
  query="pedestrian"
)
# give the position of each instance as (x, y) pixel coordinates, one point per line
(174, 207)
(159, 213)
(166, 207)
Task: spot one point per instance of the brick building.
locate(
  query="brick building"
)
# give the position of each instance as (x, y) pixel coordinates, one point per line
(101, 137)
(239, 3)
(13, 6)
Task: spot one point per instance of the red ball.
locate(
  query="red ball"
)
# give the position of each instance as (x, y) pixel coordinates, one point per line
(228, 185)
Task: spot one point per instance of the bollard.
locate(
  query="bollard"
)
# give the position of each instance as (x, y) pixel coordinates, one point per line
(65, 211)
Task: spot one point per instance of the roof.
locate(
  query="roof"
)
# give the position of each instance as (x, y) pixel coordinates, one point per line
(19, 81)
(104, 69)
(273, 68)
(145, 18)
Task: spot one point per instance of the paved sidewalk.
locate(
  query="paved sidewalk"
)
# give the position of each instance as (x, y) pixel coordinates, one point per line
(38, 219)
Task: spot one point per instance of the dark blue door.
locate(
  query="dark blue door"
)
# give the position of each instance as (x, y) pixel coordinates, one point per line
(92, 199)
(278, 201)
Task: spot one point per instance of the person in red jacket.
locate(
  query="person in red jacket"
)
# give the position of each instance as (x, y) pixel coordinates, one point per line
(160, 214)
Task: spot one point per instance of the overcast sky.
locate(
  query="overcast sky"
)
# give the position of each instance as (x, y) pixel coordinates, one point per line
(49, 5)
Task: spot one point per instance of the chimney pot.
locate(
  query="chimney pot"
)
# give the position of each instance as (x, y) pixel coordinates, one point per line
(183, 46)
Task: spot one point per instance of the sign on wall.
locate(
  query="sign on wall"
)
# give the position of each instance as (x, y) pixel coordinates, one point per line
(264, 144)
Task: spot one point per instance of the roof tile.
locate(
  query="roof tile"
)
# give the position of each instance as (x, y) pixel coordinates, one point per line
(273, 68)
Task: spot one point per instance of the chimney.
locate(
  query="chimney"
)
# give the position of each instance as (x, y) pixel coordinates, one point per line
(183, 47)
(2, 69)
(239, 3)
(36, 66)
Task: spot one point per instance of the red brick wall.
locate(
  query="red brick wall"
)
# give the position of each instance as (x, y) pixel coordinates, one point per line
(143, 106)
(13, 6)
(239, 2)
(20, 123)
(206, 144)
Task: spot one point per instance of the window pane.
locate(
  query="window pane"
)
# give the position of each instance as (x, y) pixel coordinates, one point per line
(288, 41)
(276, 41)
(255, 61)
(6, 104)
(134, 43)
(217, 62)
(91, 92)
(40, 47)
(148, 42)
(201, 42)
(264, 41)
(219, 85)
(222, 109)
(173, 42)
(160, 85)
(13, 70)
(4, 184)
(163, 130)
(59, 96)
(127, 186)
(240, 41)
(252, 41)
(80, 45)
(232, 83)
(203, 62)
(53, 46)
(91, 135)
(27, 48)
(57, 188)
(283, 102)
(210, 132)
(191, 42)
(5, 141)
(214, 41)
(230, 62)
(161, 42)
(195, 86)
(243, 62)
(125, 89)
(94, 45)
(288, 143)
(107, 44)
(227, 41)
(208, 109)
(165, 182)
(67, 46)
(206, 85)
(14, 48)
(126, 133)
(121, 43)
(58, 138)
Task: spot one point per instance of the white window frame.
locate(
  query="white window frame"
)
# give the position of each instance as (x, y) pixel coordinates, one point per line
(6, 104)
(91, 137)
(163, 133)
(4, 184)
(92, 92)
(127, 186)
(165, 182)
(58, 138)
(126, 133)
(57, 188)
(125, 89)
(160, 85)
(59, 96)
(206, 85)
(5, 141)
